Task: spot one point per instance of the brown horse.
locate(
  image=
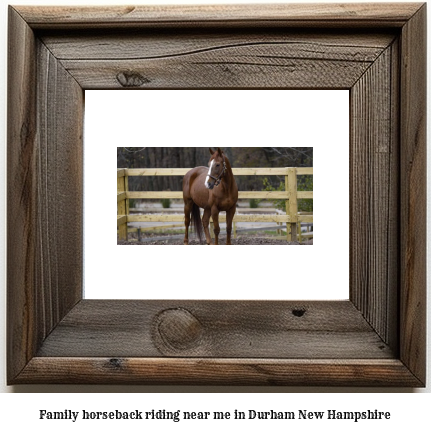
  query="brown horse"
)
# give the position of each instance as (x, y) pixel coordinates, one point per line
(214, 189)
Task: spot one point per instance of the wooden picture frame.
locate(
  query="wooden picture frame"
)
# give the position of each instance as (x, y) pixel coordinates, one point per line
(376, 338)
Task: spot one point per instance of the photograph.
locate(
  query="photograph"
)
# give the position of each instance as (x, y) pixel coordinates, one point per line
(232, 196)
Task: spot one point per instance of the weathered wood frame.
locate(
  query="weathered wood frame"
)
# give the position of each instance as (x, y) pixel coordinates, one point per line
(377, 338)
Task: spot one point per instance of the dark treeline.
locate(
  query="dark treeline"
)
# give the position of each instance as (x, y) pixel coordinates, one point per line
(190, 157)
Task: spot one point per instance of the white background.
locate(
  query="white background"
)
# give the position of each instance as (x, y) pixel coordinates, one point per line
(21, 409)
(209, 118)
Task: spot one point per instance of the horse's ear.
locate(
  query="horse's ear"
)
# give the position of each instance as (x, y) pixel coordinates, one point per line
(211, 152)
(219, 151)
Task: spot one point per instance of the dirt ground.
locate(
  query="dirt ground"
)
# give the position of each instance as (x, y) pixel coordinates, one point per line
(241, 240)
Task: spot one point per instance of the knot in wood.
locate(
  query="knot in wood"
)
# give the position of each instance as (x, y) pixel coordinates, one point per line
(298, 312)
(131, 79)
(178, 329)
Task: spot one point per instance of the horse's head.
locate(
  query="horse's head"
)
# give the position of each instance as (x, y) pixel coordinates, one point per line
(217, 167)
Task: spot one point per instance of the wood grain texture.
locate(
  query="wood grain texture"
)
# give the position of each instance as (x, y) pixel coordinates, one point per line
(300, 15)
(217, 371)
(54, 337)
(44, 193)
(59, 190)
(413, 194)
(374, 195)
(21, 194)
(212, 60)
(120, 45)
(241, 329)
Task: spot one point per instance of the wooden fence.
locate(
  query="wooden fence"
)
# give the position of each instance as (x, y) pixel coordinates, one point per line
(290, 194)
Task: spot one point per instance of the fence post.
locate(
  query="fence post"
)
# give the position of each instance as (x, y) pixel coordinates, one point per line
(126, 188)
(291, 204)
(288, 228)
(299, 232)
(122, 205)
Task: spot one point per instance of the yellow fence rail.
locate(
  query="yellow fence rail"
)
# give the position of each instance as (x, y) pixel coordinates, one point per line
(291, 194)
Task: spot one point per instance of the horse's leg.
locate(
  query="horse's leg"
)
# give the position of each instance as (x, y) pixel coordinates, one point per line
(188, 204)
(206, 223)
(214, 215)
(229, 218)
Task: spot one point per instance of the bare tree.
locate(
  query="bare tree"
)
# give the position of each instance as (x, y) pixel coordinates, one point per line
(189, 157)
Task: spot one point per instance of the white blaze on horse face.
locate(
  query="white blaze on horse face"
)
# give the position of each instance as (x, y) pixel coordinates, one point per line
(207, 185)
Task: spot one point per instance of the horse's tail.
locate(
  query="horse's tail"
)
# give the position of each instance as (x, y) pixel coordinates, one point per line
(197, 222)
